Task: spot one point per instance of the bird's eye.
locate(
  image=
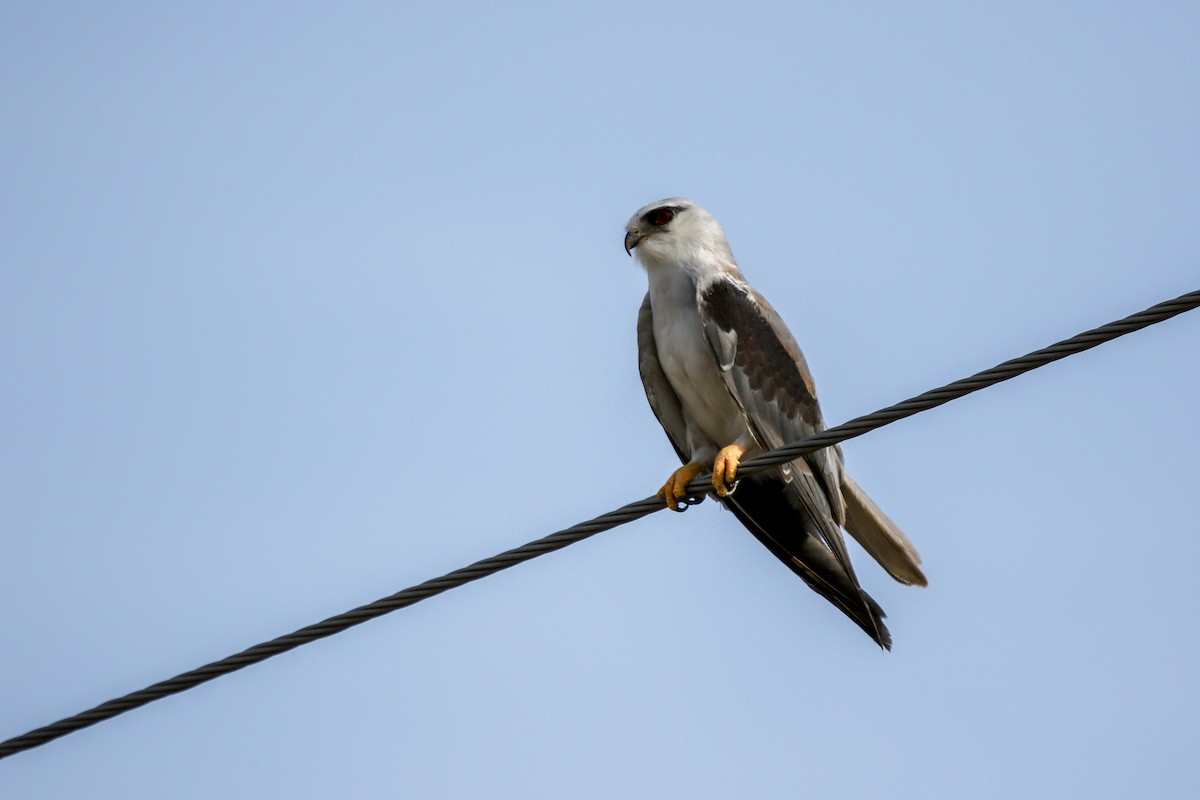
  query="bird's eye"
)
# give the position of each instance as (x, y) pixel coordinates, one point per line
(660, 216)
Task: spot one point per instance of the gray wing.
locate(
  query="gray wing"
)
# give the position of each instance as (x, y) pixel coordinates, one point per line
(663, 400)
(771, 508)
(764, 370)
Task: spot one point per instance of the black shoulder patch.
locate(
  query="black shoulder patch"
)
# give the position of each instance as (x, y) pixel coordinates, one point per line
(765, 358)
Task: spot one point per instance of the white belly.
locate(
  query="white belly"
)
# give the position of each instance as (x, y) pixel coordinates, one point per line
(714, 418)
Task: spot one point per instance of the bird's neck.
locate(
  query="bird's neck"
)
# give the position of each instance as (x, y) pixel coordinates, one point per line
(687, 274)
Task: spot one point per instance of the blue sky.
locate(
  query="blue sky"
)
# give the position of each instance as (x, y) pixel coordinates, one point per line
(302, 304)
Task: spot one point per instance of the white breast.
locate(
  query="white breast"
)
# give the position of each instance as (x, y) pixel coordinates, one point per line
(714, 418)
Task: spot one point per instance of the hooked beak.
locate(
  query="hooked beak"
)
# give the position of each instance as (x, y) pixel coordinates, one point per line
(631, 241)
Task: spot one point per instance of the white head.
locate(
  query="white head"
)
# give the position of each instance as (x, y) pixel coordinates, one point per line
(674, 232)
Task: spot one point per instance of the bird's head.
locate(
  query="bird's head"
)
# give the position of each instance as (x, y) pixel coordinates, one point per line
(675, 231)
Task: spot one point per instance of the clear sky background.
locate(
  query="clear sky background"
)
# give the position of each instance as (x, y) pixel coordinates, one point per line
(301, 304)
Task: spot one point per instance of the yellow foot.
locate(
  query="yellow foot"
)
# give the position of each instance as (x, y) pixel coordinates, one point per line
(674, 491)
(725, 466)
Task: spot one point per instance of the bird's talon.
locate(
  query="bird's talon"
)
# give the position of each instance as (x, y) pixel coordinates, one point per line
(675, 492)
(725, 469)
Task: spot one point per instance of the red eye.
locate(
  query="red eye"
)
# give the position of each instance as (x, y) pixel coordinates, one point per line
(660, 216)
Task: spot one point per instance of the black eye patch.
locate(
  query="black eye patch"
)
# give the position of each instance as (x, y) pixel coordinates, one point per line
(660, 216)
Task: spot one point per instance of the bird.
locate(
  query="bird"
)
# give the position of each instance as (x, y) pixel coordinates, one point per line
(726, 379)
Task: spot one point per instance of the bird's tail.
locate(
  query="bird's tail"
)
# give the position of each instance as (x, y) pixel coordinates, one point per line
(881, 537)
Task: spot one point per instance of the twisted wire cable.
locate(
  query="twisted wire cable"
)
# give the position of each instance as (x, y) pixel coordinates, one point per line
(575, 533)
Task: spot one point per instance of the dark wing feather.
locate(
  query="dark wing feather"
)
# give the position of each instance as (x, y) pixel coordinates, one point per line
(765, 372)
(765, 506)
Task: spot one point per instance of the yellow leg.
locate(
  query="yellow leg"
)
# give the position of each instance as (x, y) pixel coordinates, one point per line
(675, 489)
(725, 466)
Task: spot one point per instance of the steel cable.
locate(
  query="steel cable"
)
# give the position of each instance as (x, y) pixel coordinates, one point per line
(557, 541)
